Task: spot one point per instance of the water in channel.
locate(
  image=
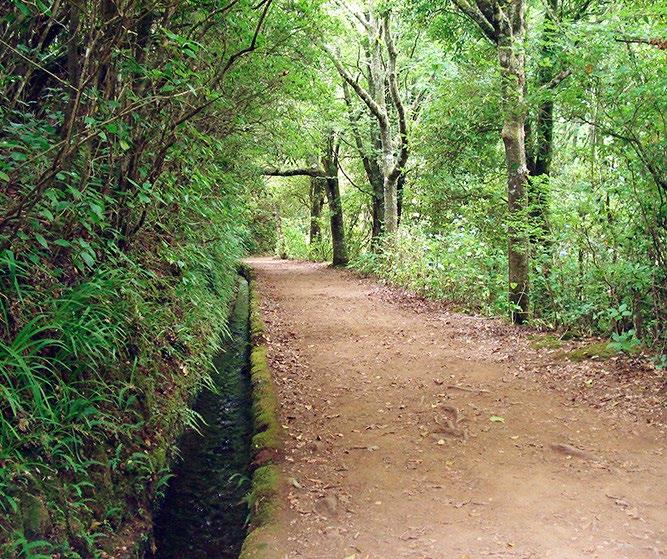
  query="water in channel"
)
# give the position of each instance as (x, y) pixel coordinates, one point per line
(203, 514)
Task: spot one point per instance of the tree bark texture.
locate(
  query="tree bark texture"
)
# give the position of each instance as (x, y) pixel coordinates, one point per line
(394, 153)
(330, 165)
(511, 30)
(317, 189)
(503, 23)
(369, 160)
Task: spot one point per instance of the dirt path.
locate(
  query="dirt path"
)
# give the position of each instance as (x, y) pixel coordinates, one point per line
(420, 435)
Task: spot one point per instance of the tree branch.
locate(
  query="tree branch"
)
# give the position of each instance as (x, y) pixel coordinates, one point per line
(396, 99)
(354, 14)
(354, 124)
(298, 172)
(660, 43)
(360, 91)
(355, 185)
(477, 16)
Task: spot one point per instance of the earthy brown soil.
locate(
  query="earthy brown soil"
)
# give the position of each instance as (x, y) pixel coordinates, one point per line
(413, 432)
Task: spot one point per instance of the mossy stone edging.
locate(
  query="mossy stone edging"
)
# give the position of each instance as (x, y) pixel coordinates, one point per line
(263, 498)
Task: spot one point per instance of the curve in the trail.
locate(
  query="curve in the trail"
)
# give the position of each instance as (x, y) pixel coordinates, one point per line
(417, 433)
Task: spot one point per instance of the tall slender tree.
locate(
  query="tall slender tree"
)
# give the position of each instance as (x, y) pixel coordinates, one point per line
(503, 23)
(551, 72)
(383, 84)
(368, 152)
(324, 176)
(330, 168)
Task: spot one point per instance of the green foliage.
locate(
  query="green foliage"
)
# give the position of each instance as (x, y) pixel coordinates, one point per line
(458, 265)
(626, 341)
(128, 193)
(595, 222)
(296, 242)
(130, 185)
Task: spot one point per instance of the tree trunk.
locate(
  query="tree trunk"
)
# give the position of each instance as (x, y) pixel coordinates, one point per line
(317, 187)
(512, 65)
(378, 76)
(377, 183)
(544, 138)
(390, 205)
(330, 164)
(73, 71)
(400, 188)
(539, 163)
(280, 248)
(394, 157)
(538, 186)
(369, 160)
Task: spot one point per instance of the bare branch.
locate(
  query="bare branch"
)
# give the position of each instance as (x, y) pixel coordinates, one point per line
(476, 15)
(354, 184)
(253, 42)
(397, 101)
(359, 17)
(359, 90)
(660, 43)
(313, 171)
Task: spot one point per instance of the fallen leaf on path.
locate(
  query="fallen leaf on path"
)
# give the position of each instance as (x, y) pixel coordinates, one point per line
(467, 389)
(295, 483)
(619, 501)
(569, 450)
(497, 419)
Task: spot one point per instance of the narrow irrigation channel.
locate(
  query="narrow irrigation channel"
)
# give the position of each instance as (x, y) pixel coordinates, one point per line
(204, 514)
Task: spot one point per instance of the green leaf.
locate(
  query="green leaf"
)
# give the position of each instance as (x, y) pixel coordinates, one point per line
(88, 258)
(41, 240)
(4, 176)
(497, 419)
(97, 210)
(47, 214)
(22, 8)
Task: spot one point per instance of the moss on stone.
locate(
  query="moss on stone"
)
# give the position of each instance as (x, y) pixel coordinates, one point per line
(265, 402)
(36, 518)
(254, 546)
(264, 488)
(545, 341)
(263, 498)
(599, 350)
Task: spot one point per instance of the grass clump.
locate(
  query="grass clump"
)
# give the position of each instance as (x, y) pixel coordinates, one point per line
(98, 365)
